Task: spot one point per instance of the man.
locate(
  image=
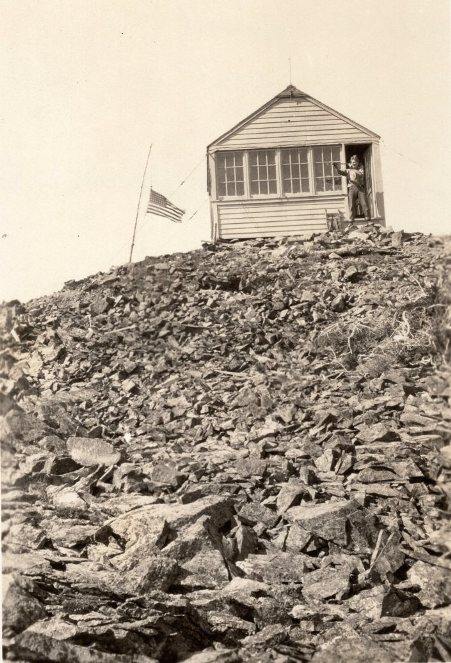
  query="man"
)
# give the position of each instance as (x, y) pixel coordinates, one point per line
(356, 186)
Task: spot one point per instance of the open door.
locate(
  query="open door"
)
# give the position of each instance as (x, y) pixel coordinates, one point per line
(365, 156)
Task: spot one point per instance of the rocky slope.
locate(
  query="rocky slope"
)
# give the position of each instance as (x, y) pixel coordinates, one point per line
(236, 454)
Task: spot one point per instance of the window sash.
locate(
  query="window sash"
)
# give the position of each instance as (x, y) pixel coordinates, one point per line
(230, 174)
(295, 170)
(325, 178)
(263, 172)
(292, 172)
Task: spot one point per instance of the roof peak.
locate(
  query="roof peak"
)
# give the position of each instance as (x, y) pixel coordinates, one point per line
(291, 91)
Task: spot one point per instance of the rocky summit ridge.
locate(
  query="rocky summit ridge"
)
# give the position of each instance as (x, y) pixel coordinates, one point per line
(241, 453)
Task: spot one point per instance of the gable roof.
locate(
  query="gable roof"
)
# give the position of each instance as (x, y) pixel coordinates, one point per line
(290, 92)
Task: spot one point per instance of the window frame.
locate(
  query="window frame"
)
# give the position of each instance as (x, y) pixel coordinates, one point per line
(280, 194)
(333, 191)
(245, 193)
(259, 196)
(299, 194)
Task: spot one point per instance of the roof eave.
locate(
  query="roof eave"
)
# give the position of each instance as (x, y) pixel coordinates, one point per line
(343, 117)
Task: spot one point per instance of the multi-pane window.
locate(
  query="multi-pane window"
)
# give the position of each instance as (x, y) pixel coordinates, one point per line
(326, 178)
(300, 170)
(262, 171)
(230, 174)
(295, 170)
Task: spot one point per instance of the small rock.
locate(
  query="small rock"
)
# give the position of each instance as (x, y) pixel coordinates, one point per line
(20, 608)
(167, 473)
(69, 499)
(297, 538)
(246, 541)
(338, 304)
(397, 239)
(198, 550)
(253, 513)
(290, 495)
(375, 433)
(327, 520)
(62, 465)
(253, 467)
(325, 583)
(156, 572)
(434, 583)
(129, 386)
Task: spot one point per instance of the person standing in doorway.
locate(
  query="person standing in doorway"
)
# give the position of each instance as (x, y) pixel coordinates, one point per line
(356, 186)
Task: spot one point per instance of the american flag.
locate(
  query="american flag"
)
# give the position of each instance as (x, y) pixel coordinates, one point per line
(159, 204)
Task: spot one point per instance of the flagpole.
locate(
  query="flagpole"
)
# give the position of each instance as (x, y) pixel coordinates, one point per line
(139, 204)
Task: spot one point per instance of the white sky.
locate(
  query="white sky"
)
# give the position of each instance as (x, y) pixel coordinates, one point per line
(89, 84)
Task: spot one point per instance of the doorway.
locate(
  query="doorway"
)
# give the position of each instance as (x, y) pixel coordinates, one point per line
(363, 151)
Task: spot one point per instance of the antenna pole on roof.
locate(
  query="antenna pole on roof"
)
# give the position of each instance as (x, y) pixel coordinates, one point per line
(139, 205)
(289, 63)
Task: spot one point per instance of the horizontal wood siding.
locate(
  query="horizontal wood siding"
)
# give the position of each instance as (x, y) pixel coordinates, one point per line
(281, 218)
(293, 122)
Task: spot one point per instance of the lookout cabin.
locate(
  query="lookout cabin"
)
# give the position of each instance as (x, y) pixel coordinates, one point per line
(271, 175)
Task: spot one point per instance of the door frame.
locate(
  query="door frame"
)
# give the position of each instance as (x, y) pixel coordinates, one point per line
(365, 147)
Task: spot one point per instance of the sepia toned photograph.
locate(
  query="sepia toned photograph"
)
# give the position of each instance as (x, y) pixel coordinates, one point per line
(225, 327)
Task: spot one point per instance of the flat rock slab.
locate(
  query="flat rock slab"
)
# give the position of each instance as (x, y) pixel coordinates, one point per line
(375, 433)
(325, 583)
(146, 529)
(176, 515)
(34, 562)
(288, 494)
(89, 451)
(229, 625)
(253, 513)
(212, 655)
(352, 647)
(69, 500)
(278, 567)
(41, 642)
(63, 532)
(153, 572)
(117, 506)
(327, 520)
(380, 602)
(368, 602)
(245, 586)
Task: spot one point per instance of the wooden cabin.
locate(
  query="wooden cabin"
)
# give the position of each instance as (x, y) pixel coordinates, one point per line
(271, 175)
